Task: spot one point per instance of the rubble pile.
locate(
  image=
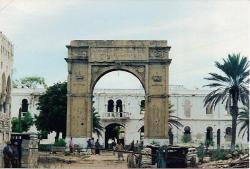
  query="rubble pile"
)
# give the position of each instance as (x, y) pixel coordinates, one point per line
(240, 162)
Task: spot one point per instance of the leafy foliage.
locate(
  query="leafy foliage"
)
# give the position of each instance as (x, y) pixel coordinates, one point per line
(53, 109)
(29, 82)
(230, 88)
(24, 124)
(60, 143)
(97, 127)
(243, 119)
(186, 138)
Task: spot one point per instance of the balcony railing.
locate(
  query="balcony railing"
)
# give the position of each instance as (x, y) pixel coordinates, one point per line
(117, 115)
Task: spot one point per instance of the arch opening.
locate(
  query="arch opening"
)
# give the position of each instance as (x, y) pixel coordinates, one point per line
(114, 132)
(117, 97)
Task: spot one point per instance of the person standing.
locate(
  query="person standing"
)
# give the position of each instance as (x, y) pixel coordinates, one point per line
(15, 159)
(71, 145)
(92, 141)
(120, 148)
(113, 146)
(97, 147)
(89, 146)
(132, 146)
(7, 155)
(137, 146)
(110, 143)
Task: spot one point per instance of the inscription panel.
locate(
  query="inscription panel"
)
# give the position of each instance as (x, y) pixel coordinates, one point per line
(157, 79)
(79, 78)
(116, 54)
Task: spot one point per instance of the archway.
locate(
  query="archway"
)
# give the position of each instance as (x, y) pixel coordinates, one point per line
(117, 101)
(114, 132)
(89, 60)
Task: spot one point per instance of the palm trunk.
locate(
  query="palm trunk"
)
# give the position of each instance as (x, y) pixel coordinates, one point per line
(234, 111)
(234, 124)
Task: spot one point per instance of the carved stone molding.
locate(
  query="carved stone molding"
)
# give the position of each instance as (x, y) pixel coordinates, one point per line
(157, 78)
(80, 53)
(158, 53)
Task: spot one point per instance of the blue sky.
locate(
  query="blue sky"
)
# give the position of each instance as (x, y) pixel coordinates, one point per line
(199, 33)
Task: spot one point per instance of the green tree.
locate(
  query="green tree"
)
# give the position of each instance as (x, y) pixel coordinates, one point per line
(22, 125)
(231, 87)
(97, 127)
(29, 82)
(53, 109)
(243, 119)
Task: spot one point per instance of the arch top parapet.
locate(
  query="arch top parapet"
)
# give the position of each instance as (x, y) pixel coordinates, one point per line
(118, 43)
(93, 51)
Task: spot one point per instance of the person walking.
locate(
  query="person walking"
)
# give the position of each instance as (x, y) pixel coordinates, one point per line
(119, 148)
(7, 155)
(97, 147)
(15, 160)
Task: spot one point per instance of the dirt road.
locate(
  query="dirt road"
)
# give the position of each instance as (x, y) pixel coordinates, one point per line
(105, 160)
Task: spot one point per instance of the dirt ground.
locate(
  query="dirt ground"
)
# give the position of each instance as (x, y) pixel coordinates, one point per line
(105, 160)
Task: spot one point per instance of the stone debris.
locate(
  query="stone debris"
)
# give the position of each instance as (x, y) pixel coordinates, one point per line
(146, 161)
(240, 162)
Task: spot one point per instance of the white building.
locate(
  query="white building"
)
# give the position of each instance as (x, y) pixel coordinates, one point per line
(6, 62)
(25, 100)
(125, 107)
(187, 104)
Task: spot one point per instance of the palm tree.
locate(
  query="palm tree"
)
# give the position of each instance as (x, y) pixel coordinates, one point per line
(243, 119)
(97, 127)
(231, 87)
(173, 121)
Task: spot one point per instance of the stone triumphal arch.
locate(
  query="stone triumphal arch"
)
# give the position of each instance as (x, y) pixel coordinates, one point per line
(89, 60)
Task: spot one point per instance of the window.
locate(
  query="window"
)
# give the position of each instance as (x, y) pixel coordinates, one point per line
(218, 137)
(110, 106)
(142, 105)
(228, 134)
(187, 108)
(186, 134)
(25, 105)
(209, 134)
(119, 106)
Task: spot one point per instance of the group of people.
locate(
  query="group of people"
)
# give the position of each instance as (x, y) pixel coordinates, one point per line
(135, 147)
(93, 146)
(11, 155)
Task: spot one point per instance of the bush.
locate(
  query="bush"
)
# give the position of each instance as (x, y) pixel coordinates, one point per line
(201, 151)
(44, 147)
(60, 143)
(186, 138)
(219, 154)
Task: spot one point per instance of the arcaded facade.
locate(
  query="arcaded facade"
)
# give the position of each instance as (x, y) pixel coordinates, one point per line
(6, 61)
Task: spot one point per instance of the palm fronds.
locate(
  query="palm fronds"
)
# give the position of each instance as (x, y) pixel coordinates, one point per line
(243, 119)
(97, 127)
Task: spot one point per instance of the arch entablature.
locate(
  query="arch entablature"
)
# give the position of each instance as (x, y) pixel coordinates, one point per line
(89, 60)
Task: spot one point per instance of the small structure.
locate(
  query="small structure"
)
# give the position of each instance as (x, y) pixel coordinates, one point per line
(28, 146)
